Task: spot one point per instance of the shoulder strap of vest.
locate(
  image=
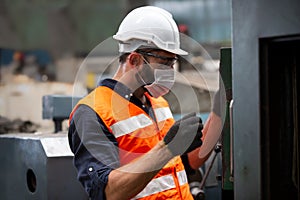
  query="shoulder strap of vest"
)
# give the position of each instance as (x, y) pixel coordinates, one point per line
(87, 100)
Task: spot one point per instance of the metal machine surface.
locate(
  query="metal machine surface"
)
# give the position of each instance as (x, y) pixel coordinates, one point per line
(37, 166)
(58, 108)
(265, 73)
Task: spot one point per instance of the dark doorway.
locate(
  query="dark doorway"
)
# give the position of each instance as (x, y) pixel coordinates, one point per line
(279, 96)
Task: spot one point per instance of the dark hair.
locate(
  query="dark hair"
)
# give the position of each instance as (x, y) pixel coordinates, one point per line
(123, 57)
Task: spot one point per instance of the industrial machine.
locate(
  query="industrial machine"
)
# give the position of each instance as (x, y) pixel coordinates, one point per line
(39, 166)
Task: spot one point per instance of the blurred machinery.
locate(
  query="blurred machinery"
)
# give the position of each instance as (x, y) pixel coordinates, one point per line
(39, 166)
(58, 108)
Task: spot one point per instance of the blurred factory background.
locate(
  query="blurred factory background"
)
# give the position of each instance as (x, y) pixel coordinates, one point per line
(44, 43)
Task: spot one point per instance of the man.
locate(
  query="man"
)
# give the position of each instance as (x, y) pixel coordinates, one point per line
(125, 141)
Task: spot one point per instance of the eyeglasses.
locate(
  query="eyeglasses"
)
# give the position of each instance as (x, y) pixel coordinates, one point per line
(168, 61)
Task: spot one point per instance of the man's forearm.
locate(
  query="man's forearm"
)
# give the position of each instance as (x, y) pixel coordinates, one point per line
(211, 134)
(128, 180)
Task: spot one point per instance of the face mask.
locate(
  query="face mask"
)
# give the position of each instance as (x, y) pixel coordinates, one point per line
(163, 81)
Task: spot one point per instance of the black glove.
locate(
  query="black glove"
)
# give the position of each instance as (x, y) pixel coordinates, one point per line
(185, 135)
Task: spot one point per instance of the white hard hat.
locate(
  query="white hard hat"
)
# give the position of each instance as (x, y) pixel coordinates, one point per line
(149, 27)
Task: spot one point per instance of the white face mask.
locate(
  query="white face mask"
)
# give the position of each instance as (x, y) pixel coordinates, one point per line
(164, 81)
(157, 81)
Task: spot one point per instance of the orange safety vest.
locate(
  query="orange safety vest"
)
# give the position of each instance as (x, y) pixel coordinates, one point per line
(136, 133)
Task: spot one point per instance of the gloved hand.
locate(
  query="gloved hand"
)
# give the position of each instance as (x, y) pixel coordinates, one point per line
(185, 135)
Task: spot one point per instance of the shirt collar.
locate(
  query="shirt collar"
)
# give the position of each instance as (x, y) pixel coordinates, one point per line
(118, 87)
(125, 92)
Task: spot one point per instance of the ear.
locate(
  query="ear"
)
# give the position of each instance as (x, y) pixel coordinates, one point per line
(135, 59)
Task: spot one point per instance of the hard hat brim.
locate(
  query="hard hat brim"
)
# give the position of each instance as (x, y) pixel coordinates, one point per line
(130, 45)
(178, 52)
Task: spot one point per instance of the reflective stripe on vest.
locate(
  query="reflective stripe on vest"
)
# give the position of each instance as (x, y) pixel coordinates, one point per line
(140, 121)
(163, 114)
(161, 184)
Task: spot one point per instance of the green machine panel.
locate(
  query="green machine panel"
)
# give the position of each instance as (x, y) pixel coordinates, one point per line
(227, 144)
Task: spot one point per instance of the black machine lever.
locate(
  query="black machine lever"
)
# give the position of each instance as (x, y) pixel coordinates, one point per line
(198, 190)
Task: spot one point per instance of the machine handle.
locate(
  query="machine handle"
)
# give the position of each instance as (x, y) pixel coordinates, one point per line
(231, 138)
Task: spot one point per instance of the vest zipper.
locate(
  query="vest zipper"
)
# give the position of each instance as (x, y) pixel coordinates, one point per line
(154, 119)
(176, 182)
